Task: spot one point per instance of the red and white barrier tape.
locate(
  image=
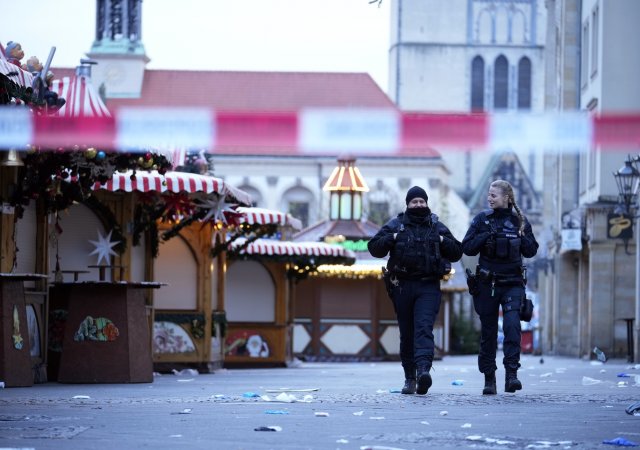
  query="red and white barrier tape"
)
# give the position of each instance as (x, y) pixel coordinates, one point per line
(319, 131)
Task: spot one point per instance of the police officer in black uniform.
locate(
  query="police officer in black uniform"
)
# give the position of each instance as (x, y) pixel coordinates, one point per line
(502, 235)
(420, 248)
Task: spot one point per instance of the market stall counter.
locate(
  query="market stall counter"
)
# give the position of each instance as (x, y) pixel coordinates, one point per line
(106, 336)
(15, 350)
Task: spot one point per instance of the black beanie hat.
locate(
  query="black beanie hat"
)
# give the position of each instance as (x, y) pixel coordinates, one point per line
(415, 192)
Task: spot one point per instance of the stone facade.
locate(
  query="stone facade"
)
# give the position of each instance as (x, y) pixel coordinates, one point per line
(588, 292)
(433, 46)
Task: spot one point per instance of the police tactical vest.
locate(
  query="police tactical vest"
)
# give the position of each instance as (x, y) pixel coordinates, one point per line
(416, 252)
(505, 241)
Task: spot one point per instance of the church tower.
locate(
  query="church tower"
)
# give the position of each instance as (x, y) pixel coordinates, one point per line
(470, 56)
(118, 48)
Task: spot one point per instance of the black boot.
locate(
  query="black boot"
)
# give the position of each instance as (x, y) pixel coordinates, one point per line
(424, 380)
(409, 380)
(490, 384)
(409, 386)
(511, 382)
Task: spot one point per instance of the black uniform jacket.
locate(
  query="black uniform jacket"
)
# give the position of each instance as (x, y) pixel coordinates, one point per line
(494, 234)
(416, 261)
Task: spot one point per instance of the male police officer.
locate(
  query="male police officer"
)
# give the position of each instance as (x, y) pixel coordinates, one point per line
(419, 248)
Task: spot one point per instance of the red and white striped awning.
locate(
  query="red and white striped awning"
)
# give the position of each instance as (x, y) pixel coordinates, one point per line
(15, 73)
(173, 182)
(262, 216)
(82, 98)
(273, 247)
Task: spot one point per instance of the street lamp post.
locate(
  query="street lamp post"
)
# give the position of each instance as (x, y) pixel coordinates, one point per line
(628, 182)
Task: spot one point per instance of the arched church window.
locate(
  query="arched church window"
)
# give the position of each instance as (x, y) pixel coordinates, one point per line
(477, 84)
(297, 202)
(256, 196)
(501, 83)
(524, 83)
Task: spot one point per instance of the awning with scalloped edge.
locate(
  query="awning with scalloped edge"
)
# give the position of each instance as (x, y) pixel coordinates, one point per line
(173, 182)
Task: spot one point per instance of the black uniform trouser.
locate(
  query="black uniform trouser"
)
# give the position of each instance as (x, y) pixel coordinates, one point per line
(416, 303)
(487, 305)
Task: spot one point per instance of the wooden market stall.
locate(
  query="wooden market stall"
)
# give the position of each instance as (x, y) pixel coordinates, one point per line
(260, 312)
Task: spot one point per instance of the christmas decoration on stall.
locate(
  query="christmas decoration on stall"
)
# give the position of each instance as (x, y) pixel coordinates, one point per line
(104, 248)
(251, 232)
(198, 162)
(60, 177)
(41, 100)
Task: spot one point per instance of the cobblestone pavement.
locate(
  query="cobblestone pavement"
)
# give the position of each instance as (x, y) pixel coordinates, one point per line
(558, 408)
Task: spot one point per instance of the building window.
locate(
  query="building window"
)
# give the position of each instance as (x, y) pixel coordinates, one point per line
(379, 212)
(300, 210)
(299, 201)
(524, 83)
(501, 83)
(594, 41)
(256, 196)
(584, 56)
(477, 84)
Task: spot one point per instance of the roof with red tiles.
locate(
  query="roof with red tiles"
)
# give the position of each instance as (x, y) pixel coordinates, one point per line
(258, 91)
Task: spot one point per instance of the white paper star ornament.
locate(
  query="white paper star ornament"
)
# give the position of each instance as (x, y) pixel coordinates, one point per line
(104, 247)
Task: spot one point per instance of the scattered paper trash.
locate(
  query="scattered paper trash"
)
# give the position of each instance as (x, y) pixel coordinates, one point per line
(342, 441)
(381, 391)
(219, 396)
(184, 411)
(276, 411)
(465, 425)
(444, 413)
(621, 442)
(546, 375)
(273, 391)
(378, 447)
(250, 395)
(287, 398)
(587, 381)
(81, 397)
(424, 422)
(184, 380)
(600, 354)
(269, 428)
(457, 382)
(358, 413)
(474, 437)
(633, 409)
(623, 384)
(186, 372)
(321, 414)
(376, 418)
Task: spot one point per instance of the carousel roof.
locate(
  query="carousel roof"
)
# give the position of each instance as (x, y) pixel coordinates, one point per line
(350, 229)
(173, 182)
(82, 97)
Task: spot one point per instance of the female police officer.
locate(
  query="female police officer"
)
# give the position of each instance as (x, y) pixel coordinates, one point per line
(419, 247)
(502, 236)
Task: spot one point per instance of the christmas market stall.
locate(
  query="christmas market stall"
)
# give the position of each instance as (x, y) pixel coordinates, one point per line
(176, 219)
(260, 312)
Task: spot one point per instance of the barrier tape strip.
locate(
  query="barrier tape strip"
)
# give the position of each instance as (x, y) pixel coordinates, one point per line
(319, 131)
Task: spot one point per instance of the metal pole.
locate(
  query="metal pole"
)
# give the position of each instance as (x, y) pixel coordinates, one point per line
(636, 350)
